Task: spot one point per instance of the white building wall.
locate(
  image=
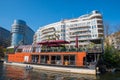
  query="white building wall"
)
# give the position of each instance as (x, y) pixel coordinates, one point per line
(86, 27)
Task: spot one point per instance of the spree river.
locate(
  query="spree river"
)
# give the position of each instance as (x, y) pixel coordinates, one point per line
(8, 72)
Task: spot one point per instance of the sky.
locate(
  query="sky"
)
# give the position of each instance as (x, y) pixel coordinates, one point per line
(38, 13)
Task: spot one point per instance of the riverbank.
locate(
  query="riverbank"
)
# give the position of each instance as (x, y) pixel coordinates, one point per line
(57, 69)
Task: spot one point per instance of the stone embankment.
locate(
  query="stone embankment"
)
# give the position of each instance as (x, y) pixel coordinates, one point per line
(57, 69)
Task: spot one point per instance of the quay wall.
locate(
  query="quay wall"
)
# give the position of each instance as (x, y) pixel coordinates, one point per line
(57, 69)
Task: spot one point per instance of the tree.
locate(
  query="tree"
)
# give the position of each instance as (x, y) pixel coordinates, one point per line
(118, 28)
(54, 36)
(118, 35)
(111, 57)
(1, 52)
(107, 30)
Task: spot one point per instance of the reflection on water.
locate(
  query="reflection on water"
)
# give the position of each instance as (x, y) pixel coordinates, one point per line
(109, 76)
(19, 73)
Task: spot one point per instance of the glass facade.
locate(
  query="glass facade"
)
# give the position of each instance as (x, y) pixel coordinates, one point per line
(16, 38)
(21, 33)
(4, 37)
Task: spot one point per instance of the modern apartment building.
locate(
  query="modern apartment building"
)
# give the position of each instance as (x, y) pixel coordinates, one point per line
(4, 37)
(21, 33)
(87, 27)
(114, 40)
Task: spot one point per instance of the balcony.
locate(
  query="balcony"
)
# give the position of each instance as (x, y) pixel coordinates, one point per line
(81, 34)
(75, 30)
(46, 35)
(48, 29)
(47, 32)
(84, 38)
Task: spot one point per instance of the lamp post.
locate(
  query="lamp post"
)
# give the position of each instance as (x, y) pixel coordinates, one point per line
(87, 46)
(102, 43)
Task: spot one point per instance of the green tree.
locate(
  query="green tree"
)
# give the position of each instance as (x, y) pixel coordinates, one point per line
(111, 57)
(1, 52)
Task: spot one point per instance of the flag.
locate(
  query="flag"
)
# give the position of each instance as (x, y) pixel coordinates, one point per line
(76, 42)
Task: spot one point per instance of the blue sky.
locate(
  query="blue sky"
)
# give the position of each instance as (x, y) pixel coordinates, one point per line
(38, 13)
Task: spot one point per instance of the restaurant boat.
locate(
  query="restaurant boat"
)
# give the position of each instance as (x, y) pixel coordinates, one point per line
(52, 53)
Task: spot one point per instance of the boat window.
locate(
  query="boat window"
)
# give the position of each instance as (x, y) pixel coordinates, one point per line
(56, 59)
(44, 59)
(69, 60)
(35, 58)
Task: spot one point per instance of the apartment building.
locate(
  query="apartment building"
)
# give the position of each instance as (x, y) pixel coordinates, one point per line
(87, 27)
(114, 39)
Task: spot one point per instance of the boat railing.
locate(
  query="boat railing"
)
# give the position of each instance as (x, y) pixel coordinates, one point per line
(89, 50)
(94, 50)
(92, 65)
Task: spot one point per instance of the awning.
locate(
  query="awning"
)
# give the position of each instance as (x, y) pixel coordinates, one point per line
(53, 43)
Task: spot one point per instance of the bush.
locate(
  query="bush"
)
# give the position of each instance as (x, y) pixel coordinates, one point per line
(1, 52)
(111, 57)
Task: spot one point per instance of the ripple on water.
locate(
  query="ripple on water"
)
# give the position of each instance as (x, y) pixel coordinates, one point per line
(19, 73)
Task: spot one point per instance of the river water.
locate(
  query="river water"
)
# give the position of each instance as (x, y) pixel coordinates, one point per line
(8, 72)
